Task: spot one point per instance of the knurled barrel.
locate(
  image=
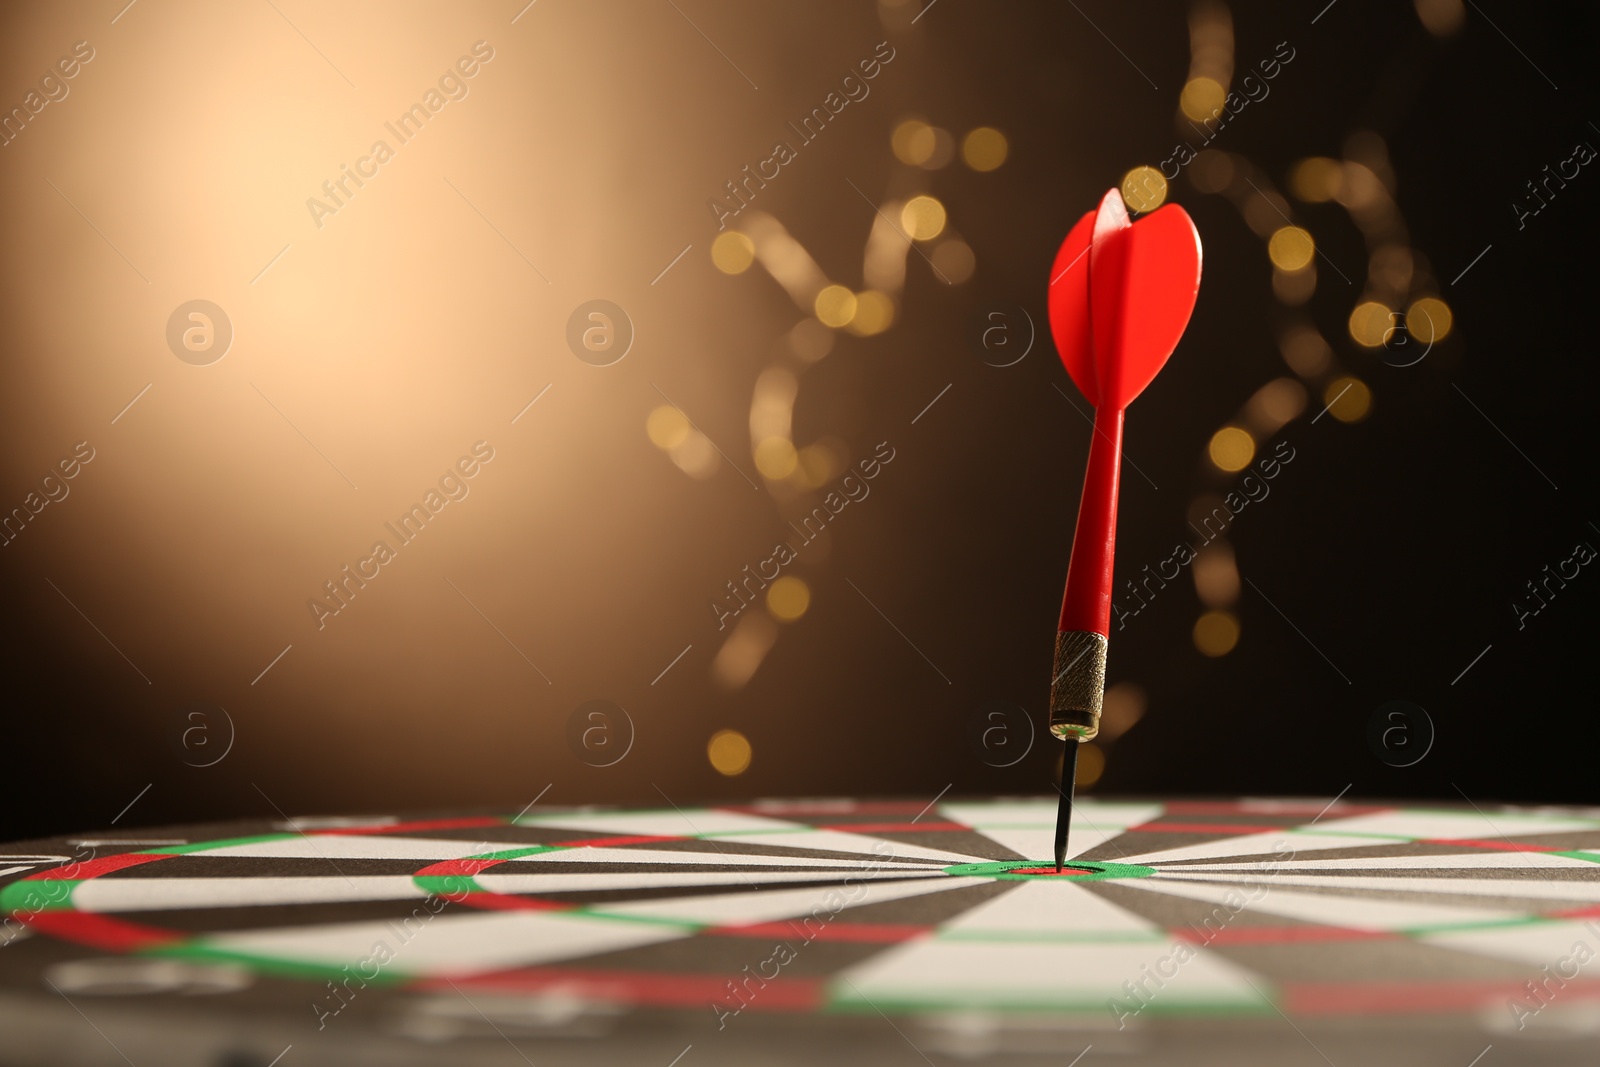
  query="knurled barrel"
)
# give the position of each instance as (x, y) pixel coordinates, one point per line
(1078, 684)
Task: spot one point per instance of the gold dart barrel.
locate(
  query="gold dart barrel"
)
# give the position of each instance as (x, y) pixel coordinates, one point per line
(1079, 684)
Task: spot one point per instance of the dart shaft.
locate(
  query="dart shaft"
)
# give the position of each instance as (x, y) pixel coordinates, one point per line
(1078, 679)
(1087, 603)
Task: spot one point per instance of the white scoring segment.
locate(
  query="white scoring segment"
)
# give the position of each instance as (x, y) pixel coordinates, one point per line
(1564, 947)
(606, 880)
(813, 904)
(1028, 827)
(452, 943)
(713, 857)
(1465, 860)
(1273, 846)
(1377, 828)
(1530, 888)
(182, 894)
(363, 847)
(1413, 824)
(1352, 912)
(712, 824)
(1049, 945)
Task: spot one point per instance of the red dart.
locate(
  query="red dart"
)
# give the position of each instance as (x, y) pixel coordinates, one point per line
(1121, 294)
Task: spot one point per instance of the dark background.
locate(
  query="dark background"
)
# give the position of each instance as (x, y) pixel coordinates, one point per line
(1395, 544)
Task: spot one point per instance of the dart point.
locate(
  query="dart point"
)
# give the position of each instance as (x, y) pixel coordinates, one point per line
(1065, 783)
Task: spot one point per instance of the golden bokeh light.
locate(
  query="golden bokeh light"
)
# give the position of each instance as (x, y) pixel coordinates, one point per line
(788, 598)
(1202, 98)
(733, 252)
(1371, 324)
(776, 458)
(953, 259)
(667, 427)
(1231, 448)
(1216, 575)
(818, 465)
(729, 752)
(1122, 706)
(923, 218)
(1348, 399)
(1144, 189)
(1306, 351)
(984, 149)
(913, 142)
(1091, 764)
(695, 455)
(1429, 320)
(1212, 171)
(1277, 402)
(874, 313)
(1441, 17)
(1216, 633)
(1291, 248)
(836, 306)
(1294, 287)
(742, 653)
(1317, 179)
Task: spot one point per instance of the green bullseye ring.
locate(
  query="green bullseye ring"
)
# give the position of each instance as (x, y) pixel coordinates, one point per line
(1040, 870)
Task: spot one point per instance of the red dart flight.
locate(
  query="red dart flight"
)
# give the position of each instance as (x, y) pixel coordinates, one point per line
(1121, 294)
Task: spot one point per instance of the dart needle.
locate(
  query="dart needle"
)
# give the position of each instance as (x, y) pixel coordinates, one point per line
(1069, 775)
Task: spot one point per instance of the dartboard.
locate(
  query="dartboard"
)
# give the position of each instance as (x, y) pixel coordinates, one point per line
(882, 931)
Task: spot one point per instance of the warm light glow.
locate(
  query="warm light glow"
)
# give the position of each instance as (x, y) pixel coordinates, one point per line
(1429, 320)
(836, 306)
(913, 142)
(1348, 399)
(1276, 403)
(729, 752)
(1441, 17)
(1371, 324)
(1232, 448)
(1317, 179)
(984, 148)
(810, 340)
(775, 458)
(1306, 352)
(1216, 633)
(696, 456)
(1216, 575)
(922, 218)
(818, 465)
(1294, 287)
(953, 258)
(1291, 248)
(1211, 171)
(1091, 764)
(1144, 189)
(874, 313)
(1201, 99)
(1122, 706)
(788, 598)
(667, 427)
(733, 252)
(742, 653)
